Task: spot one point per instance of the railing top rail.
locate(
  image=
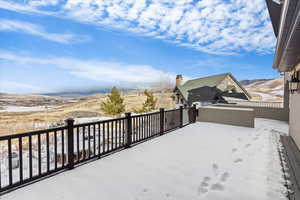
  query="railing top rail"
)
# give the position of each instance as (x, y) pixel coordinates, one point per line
(276, 102)
(31, 133)
(145, 114)
(251, 104)
(172, 110)
(97, 122)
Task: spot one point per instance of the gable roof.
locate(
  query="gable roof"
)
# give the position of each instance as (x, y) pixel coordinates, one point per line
(210, 81)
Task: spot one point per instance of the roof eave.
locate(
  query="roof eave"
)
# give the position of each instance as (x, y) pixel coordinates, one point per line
(291, 53)
(275, 14)
(287, 51)
(179, 90)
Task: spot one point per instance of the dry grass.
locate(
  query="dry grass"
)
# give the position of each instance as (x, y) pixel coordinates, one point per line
(17, 122)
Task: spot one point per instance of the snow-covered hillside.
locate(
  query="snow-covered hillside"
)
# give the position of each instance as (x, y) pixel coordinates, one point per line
(265, 90)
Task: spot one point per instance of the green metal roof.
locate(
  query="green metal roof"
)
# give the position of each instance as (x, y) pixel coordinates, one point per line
(210, 81)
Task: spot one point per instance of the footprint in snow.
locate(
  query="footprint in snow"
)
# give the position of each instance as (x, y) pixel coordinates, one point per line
(224, 176)
(203, 187)
(234, 150)
(215, 168)
(217, 186)
(206, 187)
(240, 139)
(247, 145)
(145, 190)
(238, 160)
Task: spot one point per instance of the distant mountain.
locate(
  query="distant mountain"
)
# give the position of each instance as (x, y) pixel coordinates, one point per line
(75, 93)
(247, 82)
(83, 93)
(265, 89)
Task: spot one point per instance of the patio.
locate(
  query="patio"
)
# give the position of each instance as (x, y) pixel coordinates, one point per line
(199, 161)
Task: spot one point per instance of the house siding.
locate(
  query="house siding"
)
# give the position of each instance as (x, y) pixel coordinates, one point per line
(228, 81)
(203, 94)
(179, 99)
(293, 99)
(294, 117)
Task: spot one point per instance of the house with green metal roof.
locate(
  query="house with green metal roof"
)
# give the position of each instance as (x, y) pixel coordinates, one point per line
(211, 89)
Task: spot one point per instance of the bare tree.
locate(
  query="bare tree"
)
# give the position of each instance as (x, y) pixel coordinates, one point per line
(164, 84)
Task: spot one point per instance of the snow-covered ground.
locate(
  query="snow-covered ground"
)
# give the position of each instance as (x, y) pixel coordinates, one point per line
(26, 109)
(90, 119)
(278, 92)
(199, 161)
(264, 96)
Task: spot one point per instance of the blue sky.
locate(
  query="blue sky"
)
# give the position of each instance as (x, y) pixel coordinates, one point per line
(57, 45)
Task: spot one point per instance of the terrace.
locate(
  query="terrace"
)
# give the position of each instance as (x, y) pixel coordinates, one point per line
(238, 151)
(190, 160)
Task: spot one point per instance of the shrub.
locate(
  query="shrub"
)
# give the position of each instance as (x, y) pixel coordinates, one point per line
(149, 104)
(114, 105)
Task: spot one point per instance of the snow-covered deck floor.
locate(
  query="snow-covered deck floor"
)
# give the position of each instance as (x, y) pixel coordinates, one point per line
(200, 161)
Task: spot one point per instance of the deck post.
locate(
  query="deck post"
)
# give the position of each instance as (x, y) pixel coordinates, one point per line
(162, 120)
(181, 117)
(128, 130)
(70, 128)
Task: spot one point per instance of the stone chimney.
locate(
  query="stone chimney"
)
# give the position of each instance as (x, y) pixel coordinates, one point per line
(178, 80)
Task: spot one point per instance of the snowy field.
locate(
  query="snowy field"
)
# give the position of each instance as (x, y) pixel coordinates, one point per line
(26, 109)
(199, 161)
(90, 119)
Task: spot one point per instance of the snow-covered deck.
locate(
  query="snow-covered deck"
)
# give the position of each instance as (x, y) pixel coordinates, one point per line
(199, 161)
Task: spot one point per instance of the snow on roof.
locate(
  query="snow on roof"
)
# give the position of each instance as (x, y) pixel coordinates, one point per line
(199, 161)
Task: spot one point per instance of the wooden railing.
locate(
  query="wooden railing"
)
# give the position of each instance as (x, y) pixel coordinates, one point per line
(27, 157)
(265, 104)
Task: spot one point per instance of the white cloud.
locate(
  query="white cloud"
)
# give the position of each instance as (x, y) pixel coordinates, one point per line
(23, 8)
(212, 26)
(39, 3)
(17, 87)
(32, 29)
(112, 73)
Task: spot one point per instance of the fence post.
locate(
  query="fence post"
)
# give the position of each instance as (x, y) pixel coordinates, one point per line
(181, 117)
(194, 113)
(70, 124)
(129, 129)
(162, 120)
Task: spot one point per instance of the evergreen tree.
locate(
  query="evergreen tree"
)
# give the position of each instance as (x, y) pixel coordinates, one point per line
(149, 104)
(114, 105)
